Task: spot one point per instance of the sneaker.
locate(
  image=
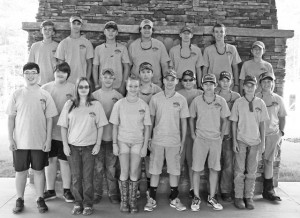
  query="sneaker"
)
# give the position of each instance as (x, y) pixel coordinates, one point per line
(69, 198)
(177, 205)
(226, 197)
(150, 205)
(87, 211)
(212, 202)
(77, 210)
(97, 199)
(196, 204)
(19, 206)
(42, 207)
(49, 196)
(191, 193)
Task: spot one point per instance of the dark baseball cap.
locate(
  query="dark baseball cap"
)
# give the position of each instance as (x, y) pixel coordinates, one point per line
(266, 75)
(111, 24)
(188, 73)
(145, 65)
(209, 78)
(73, 18)
(108, 71)
(170, 72)
(225, 74)
(186, 28)
(250, 79)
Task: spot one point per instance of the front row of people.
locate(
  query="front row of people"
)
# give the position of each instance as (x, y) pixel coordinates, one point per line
(190, 125)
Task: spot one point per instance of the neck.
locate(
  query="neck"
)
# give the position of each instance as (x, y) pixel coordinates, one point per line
(145, 39)
(257, 59)
(220, 43)
(47, 41)
(34, 86)
(143, 83)
(225, 91)
(185, 44)
(82, 100)
(75, 35)
(57, 82)
(266, 91)
(110, 41)
(209, 94)
(249, 96)
(169, 93)
(131, 98)
(106, 88)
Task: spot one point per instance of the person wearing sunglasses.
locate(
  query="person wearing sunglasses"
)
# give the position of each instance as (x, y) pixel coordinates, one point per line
(148, 49)
(82, 120)
(186, 56)
(248, 116)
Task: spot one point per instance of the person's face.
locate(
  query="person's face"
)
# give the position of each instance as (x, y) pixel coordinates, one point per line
(110, 33)
(60, 76)
(249, 88)
(257, 51)
(188, 82)
(76, 26)
(83, 88)
(225, 83)
(186, 36)
(209, 87)
(133, 87)
(146, 31)
(47, 31)
(170, 82)
(219, 33)
(107, 80)
(31, 76)
(146, 75)
(266, 84)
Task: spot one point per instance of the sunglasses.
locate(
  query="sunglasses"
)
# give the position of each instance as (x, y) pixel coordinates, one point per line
(188, 80)
(83, 87)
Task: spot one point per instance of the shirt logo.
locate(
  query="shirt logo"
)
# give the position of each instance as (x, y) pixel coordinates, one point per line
(117, 51)
(217, 105)
(263, 69)
(193, 54)
(142, 111)
(176, 104)
(114, 99)
(257, 109)
(43, 103)
(92, 114)
(53, 51)
(69, 96)
(155, 49)
(82, 46)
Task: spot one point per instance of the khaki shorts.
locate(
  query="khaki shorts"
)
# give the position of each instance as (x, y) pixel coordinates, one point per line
(206, 148)
(159, 154)
(129, 148)
(271, 146)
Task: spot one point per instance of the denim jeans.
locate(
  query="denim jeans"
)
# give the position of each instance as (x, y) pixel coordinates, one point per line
(245, 167)
(82, 164)
(105, 167)
(226, 180)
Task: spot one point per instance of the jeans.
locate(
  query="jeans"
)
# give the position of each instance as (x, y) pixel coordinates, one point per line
(82, 164)
(226, 180)
(105, 164)
(245, 166)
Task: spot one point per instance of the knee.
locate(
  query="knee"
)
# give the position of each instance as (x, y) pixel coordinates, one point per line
(268, 163)
(38, 172)
(52, 160)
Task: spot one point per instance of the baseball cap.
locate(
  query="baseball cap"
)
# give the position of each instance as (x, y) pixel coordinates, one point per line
(186, 28)
(146, 22)
(188, 73)
(108, 70)
(209, 78)
(47, 23)
(225, 74)
(170, 72)
(250, 79)
(266, 75)
(145, 65)
(111, 24)
(259, 44)
(73, 18)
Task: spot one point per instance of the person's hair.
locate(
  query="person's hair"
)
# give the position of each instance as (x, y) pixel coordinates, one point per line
(30, 66)
(218, 25)
(132, 77)
(76, 100)
(63, 67)
(47, 23)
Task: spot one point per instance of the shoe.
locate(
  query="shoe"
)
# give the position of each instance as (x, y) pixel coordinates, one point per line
(191, 193)
(42, 207)
(114, 199)
(124, 189)
(177, 205)
(196, 204)
(249, 203)
(226, 197)
(133, 189)
(19, 206)
(150, 205)
(269, 192)
(77, 210)
(239, 203)
(87, 211)
(212, 202)
(97, 199)
(49, 196)
(69, 198)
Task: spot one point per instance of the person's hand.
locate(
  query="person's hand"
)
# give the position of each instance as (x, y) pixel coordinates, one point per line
(236, 147)
(262, 146)
(96, 149)
(12, 145)
(149, 145)
(193, 135)
(143, 151)
(47, 146)
(67, 150)
(181, 149)
(115, 149)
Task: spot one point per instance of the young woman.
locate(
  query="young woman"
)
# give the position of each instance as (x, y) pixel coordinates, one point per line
(131, 119)
(82, 121)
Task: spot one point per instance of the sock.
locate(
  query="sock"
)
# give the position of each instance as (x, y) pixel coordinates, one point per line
(66, 189)
(153, 192)
(51, 191)
(174, 193)
(148, 183)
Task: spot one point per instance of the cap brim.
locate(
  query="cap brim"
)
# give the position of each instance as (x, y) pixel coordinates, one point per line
(251, 82)
(227, 77)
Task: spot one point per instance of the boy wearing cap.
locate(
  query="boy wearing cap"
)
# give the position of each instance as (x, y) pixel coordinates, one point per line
(114, 55)
(77, 51)
(226, 180)
(168, 110)
(256, 66)
(106, 161)
(30, 111)
(42, 52)
(248, 116)
(274, 131)
(186, 56)
(147, 49)
(212, 115)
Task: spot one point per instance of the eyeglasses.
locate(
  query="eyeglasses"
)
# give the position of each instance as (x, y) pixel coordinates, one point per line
(143, 48)
(30, 73)
(188, 80)
(83, 87)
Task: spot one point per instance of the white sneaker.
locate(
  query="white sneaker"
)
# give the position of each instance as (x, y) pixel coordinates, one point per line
(150, 205)
(212, 202)
(177, 205)
(196, 204)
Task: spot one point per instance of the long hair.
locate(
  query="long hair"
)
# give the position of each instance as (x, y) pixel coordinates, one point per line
(76, 100)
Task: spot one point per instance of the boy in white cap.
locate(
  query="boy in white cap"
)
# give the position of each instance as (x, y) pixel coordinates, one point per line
(147, 49)
(77, 51)
(42, 52)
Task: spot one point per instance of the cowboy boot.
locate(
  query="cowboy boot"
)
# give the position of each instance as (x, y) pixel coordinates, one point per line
(133, 187)
(269, 192)
(124, 206)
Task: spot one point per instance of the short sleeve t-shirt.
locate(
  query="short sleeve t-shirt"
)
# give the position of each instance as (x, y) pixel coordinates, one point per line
(190, 95)
(147, 96)
(43, 54)
(112, 56)
(131, 117)
(156, 56)
(248, 122)
(208, 124)
(82, 123)
(60, 94)
(217, 63)
(107, 99)
(75, 52)
(167, 113)
(275, 109)
(31, 107)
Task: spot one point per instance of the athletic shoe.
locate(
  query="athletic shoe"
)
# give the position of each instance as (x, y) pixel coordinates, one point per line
(177, 205)
(77, 210)
(19, 206)
(42, 207)
(49, 196)
(191, 193)
(212, 202)
(69, 198)
(151, 204)
(87, 211)
(196, 204)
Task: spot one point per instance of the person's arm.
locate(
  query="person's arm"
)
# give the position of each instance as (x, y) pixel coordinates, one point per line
(151, 131)
(126, 69)
(115, 140)
(205, 70)
(97, 146)
(183, 133)
(11, 126)
(47, 145)
(192, 127)
(143, 151)
(96, 76)
(64, 136)
(89, 65)
(224, 124)
(198, 76)
(241, 86)
(235, 71)
(236, 147)
(281, 124)
(262, 134)
(164, 67)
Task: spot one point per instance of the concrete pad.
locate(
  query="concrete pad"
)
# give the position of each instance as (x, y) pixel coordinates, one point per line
(292, 189)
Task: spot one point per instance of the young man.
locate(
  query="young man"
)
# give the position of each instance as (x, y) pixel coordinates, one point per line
(106, 161)
(226, 180)
(168, 110)
(42, 52)
(114, 55)
(77, 51)
(186, 56)
(212, 115)
(61, 91)
(30, 111)
(248, 116)
(274, 130)
(147, 49)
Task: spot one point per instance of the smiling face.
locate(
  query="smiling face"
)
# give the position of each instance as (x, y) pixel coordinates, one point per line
(257, 51)
(31, 76)
(219, 33)
(209, 87)
(188, 82)
(133, 87)
(249, 88)
(146, 31)
(225, 83)
(110, 33)
(267, 84)
(60, 76)
(170, 82)
(107, 80)
(186, 36)
(83, 88)
(47, 31)
(76, 26)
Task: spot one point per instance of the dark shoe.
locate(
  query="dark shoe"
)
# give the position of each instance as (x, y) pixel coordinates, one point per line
(69, 198)
(269, 192)
(19, 206)
(226, 197)
(97, 199)
(239, 203)
(77, 210)
(87, 211)
(124, 206)
(249, 203)
(42, 207)
(133, 188)
(114, 199)
(191, 193)
(49, 196)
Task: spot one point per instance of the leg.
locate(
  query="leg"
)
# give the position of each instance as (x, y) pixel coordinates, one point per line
(39, 182)
(135, 161)
(189, 159)
(98, 174)
(110, 170)
(65, 174)
(213, 181)
(50, 172)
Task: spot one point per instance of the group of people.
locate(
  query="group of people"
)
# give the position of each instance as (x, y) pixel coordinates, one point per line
(99, 110)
